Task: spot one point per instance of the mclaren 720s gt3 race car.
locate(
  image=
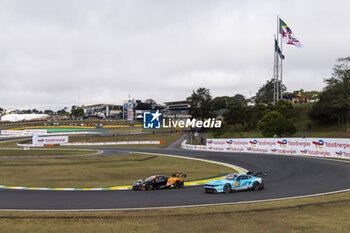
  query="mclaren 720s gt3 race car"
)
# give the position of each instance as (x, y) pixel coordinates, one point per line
(160, 182)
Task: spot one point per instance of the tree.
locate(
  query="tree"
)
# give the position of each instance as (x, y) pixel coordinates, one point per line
(26, 111)
(62, 112)
(77, 112)
(247, 116)
(226, 102)
(284, 107)
(265, 93)
(274, 123)
(238, 99)
(220, 102)
(334, 103)
(253, 114)
(201, 104)
(48, 112)
(235, 115)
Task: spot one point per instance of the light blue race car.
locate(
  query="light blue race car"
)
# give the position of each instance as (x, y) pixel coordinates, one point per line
(235, 182)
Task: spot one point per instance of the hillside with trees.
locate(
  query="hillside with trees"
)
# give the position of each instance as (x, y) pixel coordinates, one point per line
(299, 114)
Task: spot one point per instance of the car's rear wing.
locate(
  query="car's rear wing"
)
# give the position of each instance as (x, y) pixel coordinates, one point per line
(256, 174)
(179, 174)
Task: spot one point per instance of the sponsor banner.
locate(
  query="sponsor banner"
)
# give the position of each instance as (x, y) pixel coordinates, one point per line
(130, 110)
(194, 147)
(110, 143)
(37, 141)
(29, 145)
(61, 133)
(24, 132)
(321, 147)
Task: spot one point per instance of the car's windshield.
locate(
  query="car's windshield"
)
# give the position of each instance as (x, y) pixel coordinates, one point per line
(231, 177)
(150, 178)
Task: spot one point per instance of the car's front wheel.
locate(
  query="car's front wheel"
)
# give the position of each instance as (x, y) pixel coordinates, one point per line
(227, 188)
(149, 186)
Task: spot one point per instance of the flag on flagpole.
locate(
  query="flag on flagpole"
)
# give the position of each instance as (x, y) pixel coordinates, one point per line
(278, 50)
(287, 35)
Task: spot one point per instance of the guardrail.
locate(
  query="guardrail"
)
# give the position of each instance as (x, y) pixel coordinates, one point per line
(99, 143)
(319, 147)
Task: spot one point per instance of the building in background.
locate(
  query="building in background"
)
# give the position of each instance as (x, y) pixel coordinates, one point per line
(177, 108)
(103, 111)
(146, 106)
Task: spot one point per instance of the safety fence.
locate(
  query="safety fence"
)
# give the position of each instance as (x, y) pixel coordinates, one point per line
(320, 147)
(98, 143)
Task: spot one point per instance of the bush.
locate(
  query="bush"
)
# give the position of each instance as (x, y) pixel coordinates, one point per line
(274, 123)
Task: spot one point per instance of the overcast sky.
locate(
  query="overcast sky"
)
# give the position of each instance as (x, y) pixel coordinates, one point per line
(56, 53)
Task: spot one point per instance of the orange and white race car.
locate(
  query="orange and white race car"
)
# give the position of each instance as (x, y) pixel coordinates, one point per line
(160, 182)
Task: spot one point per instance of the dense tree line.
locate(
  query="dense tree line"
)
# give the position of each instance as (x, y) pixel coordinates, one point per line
(239, 113)
(334, 103)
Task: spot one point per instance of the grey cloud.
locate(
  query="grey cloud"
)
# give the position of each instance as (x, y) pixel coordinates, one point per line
(59, 53)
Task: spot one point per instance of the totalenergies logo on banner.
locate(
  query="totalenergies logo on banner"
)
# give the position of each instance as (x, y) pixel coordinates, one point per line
(274, 150)
(253, 143)
(283, 143)
(304, 151)
(319, 144)
(249, 149)
(340, 153)
(40, 140)
(229, 144)
(210, 142)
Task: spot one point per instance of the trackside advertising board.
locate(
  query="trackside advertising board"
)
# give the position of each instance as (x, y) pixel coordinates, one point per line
(38, 141)
(321, 147)
(24, 132)
(111, 143)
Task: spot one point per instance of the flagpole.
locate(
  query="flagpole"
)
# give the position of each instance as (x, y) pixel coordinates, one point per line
(274, 70)
(277, 74)
(281, 71)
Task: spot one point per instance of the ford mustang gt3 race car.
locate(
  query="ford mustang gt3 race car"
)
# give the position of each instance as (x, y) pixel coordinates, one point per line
(160, 182)
(233, 182)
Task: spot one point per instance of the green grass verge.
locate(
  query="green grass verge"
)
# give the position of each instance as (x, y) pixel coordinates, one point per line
(10, 143)
(328, 213)
(46, 152)
(100, 172)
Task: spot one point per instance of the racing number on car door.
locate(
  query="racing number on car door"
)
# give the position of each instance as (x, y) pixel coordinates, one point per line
(241, 182)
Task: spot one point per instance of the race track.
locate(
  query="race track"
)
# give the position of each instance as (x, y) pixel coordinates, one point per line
(288, 176)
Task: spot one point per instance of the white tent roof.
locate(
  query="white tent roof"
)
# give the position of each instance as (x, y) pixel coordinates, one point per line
(21, 117)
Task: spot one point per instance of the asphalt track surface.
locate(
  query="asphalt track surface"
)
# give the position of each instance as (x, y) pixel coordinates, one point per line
(288, 176)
